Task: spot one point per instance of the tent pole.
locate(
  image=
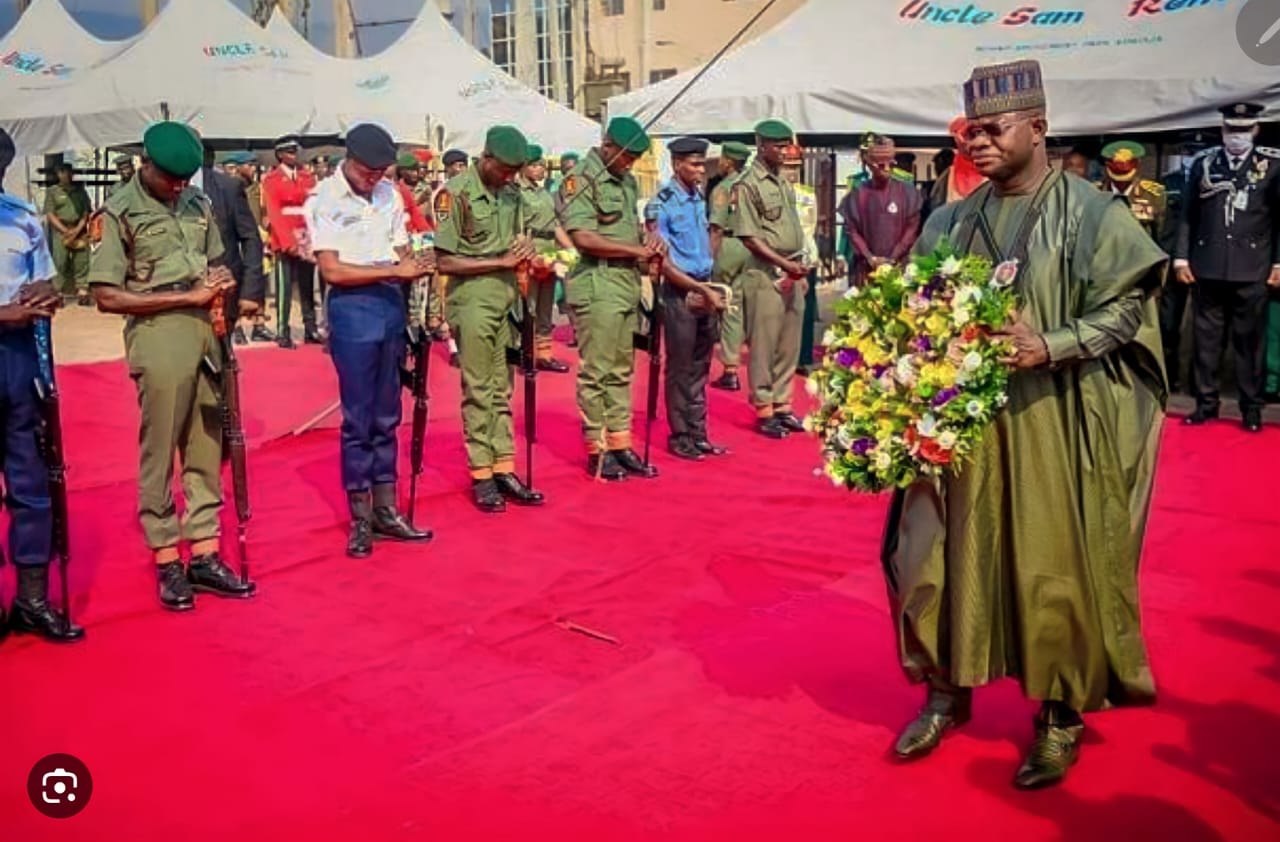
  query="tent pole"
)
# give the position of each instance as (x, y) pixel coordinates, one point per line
(164, 110)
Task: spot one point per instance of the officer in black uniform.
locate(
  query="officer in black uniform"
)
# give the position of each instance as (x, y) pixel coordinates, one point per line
(1228, 249)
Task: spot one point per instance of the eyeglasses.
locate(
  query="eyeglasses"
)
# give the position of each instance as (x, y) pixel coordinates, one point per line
(993, 129)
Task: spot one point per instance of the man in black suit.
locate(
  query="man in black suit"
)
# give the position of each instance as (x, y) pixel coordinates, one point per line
(1228, 248)
(240, 238)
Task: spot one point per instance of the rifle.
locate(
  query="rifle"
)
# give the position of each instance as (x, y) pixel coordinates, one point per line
(234, 449)
(50, 442)
(529, 368)
(415, 380)
(651, 343)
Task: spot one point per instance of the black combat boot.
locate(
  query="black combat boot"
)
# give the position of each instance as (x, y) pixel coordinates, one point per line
(360, 540)
(32, 613)
(510, 486)
(633, 464)
(388, 522)
(209, 574)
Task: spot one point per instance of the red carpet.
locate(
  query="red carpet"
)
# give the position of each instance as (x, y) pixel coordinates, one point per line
(752, 694)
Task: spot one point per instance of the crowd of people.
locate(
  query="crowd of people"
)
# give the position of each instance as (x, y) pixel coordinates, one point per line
(729, 265)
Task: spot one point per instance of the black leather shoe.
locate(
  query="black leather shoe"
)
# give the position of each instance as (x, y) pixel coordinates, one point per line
(606, 467)
(208, 574)
(1054, 751)
(710, 449)
(553, 365)
(790, 422)
(1253, 420)
(284, 340)
(261, 333)
(487, 496)
(238, 337)
(360, 539)
(175, 590)
(32, 613)
(1200, 416)
(772, 428)
(84, 301)
(682, 448)
(388, 523)
(942, 711)
(727, 381)
(633, 464)
(516, 491)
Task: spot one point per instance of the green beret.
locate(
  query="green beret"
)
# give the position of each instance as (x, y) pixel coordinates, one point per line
(508, 145)
(1135, 149)
(407, 161)
(123, 160)
(735, 151)
(628, 134)
(774, 130)
(174, 148)
(570, 156)
(243, 156)
(535, 153)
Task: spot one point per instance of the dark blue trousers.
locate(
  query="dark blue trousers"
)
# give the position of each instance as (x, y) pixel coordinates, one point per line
(367, 343)
(26, 477)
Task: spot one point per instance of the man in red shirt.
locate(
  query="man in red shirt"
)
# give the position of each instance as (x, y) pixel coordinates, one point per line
(881, 216)
(284, 191)
(409, 175)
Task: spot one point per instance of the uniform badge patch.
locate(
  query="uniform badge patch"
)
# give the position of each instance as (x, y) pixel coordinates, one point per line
(444, 205)
(721, 199)
(570, 185)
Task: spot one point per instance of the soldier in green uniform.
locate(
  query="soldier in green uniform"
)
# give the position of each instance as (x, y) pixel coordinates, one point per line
(156, 266)
(601, 214)
(763, 215)
(731, 259)
(1146, 199)
(67, 209)
(124, 169)
(542, 227)
(478, 246)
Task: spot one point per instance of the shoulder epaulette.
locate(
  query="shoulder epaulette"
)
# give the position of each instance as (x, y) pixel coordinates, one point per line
(665, 194)
(15, 202)
(1152, 186)
(1269, 151)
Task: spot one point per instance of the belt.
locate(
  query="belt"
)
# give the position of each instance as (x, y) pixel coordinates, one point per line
(610, 262)
(174, 287)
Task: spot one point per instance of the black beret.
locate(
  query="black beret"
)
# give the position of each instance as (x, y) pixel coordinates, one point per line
(372, 146)
(688, 146)
(454, 156)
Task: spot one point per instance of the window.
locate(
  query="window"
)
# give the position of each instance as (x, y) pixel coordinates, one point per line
(659, 5)
(659, 75)
(566, 47)
(546, 76)
(615, 7)
(502, 19)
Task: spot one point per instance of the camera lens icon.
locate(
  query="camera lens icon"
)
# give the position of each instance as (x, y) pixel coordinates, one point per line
(59, 786)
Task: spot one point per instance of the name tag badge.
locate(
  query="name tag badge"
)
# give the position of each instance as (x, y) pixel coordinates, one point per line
(1242, 200)
(893, 207)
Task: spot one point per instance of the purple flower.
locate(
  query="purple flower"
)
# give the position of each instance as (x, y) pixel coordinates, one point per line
(848, 358)
(945, 396)
(878, 370)
(862, 446)
(923, 343)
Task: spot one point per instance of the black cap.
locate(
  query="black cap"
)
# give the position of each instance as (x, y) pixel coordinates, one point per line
(688, 146)
(454, 156)
(7, 149)
(289, 141)
(372, 146)
(1241, 115)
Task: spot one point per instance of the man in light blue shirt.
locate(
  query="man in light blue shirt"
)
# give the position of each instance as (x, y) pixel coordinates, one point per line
(26, 295)
(690, 307)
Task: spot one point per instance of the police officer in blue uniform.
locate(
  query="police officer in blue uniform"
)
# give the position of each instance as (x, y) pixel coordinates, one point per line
(690, 308)
(357, 224)
(1228, 252)
(26, 294)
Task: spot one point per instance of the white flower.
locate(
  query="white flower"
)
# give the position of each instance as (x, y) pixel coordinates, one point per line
(950, 267)
(962, 377)
(883, 461)
(927, 426)
(886, 381)
(917, 303)
(828, 338)
(972, 361)
(966, 294)
(811, 386)
(905, 371)
(859, 325)
(911, 273)
(947, 440)
(844, 437)
(974, 408)
(961, 314)
(852, 292)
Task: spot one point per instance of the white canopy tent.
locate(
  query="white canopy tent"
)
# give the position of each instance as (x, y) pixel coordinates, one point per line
(47, 49)
(840, 67)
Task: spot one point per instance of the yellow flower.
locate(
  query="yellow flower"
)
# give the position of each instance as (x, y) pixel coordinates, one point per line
(884, 427)
(936, 324)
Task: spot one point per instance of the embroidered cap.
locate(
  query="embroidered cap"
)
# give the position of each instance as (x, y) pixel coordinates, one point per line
(1122, 159)
(1241, 115)
(1001, 88)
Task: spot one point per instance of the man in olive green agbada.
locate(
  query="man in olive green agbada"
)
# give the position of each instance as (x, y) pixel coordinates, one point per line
(763, 214)
(67, 209)
(599, 200)
(479, 246)
(156, 265)
(542, 228)
(731, 259)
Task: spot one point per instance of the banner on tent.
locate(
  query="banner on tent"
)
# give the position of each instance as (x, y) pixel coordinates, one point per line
(245, 49)
(33, 64)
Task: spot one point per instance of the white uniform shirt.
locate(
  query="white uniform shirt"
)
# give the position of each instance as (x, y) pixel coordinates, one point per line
(362, 232)
(24, 251)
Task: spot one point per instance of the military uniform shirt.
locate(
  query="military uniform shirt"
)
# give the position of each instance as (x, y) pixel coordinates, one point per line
(68, 204)
(721, 214)
(764, 208)
(146, 245)
(610, 206)
(475, 222)
(363, 232)
(682, 223)
(24, 251)
(539, 210)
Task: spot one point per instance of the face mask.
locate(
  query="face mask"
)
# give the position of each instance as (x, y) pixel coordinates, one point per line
(1237, 143)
